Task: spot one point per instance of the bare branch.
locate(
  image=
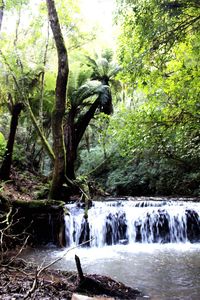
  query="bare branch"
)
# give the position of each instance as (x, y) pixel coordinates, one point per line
(40, 270)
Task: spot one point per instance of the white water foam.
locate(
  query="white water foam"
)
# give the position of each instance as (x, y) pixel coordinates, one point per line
(127, 222)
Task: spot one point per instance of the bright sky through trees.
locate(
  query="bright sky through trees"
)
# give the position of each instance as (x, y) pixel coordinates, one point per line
(96, 14)
(100, 13)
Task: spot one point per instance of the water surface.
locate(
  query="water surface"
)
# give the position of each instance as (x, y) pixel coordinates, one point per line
(159, 257)
(163, 272)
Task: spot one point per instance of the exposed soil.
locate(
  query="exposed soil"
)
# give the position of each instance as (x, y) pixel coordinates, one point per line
(23, 186)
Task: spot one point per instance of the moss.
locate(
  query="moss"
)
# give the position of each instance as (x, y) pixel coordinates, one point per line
(44, 205)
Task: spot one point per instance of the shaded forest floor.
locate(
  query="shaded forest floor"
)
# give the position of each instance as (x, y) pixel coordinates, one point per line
(24, 186)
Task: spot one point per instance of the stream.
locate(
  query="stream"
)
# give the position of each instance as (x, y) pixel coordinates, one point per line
(150, 245)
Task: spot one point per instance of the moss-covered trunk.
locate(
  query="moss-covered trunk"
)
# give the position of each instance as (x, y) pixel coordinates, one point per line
(41, 220)
(40, 133)
(60, 102)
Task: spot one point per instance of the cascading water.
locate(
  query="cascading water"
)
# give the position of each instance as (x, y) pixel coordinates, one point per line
(155, 245)
(126, 222)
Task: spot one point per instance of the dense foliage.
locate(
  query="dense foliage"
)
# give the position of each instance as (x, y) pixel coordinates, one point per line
(151, 142)
(154, 136)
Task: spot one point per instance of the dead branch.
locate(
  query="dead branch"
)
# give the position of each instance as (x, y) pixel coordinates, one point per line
(20, 250)
(40, 270)
(8, 237)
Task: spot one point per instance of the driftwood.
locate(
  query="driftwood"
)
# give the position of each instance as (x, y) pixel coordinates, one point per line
(102, 285)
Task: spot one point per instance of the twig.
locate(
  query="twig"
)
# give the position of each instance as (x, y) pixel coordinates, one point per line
(20, 250)
(7, 216)
(60, 258)
(34, 285)
(18, 253)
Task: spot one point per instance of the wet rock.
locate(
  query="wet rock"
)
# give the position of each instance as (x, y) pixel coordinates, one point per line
(138, 226)
(116, 228)
(193, 225)
(123, 242)
(83, 297)
(163, 228)
(85, 232)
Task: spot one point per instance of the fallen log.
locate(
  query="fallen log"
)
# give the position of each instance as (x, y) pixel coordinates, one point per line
(94, 285)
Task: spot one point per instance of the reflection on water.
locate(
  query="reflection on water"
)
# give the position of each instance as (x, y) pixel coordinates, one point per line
(162, 271)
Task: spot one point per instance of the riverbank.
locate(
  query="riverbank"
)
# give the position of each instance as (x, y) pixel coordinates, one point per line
(19, 280)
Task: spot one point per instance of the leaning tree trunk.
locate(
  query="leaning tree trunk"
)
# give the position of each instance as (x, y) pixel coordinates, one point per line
(104, 106)
(60, 101)
(73, 135)
(84, 121)
(7, 161)
(75, 131)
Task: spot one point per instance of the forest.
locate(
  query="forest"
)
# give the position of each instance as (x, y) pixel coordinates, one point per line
(129, 122)
(94, 107)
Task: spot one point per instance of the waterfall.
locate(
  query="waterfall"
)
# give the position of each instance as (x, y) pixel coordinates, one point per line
(128, 221)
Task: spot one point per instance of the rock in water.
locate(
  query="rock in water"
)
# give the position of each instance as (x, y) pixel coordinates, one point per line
(82, 297)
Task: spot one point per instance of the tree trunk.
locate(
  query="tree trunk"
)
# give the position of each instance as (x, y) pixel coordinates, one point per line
(1, 12)
(60, 102)
(73, 135)
(7, 161)
(40, 133)
(84, 121)
(71, 150)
